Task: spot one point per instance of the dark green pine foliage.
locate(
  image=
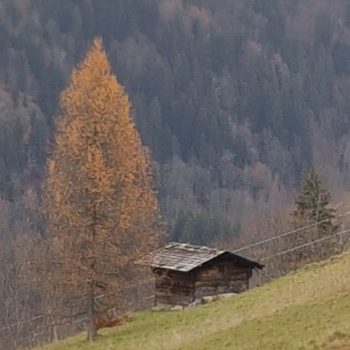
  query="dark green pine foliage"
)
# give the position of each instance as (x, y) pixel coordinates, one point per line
(312, 206)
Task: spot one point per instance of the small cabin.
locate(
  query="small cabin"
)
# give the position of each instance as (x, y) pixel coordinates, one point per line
(185, 273)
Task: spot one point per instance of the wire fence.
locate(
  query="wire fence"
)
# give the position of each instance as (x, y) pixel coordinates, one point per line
(289, 233)
(281, 260)
(46, 328)
(323, 239)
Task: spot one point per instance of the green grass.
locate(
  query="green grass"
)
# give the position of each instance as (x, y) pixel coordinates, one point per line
(309, 309)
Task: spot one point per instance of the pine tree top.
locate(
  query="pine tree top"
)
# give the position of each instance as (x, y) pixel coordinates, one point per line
(312, 204)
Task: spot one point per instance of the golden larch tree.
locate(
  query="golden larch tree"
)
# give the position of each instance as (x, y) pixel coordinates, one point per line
(101, 210)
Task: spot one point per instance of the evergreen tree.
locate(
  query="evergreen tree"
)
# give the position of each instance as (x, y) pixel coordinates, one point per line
(102, 212)
(312, 206)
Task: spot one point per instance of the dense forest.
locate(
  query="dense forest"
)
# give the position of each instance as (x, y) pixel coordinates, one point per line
(235, 99)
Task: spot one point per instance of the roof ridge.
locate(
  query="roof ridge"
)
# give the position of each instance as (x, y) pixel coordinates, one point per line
(191, 245)
(185, 257)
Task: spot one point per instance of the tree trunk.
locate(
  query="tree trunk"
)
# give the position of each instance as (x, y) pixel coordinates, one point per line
(92, 329)
(91, 323)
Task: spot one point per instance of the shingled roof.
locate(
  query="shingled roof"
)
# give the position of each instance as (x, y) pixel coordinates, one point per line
(185, 257)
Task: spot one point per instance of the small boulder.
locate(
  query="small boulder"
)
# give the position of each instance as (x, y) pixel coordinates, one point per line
(210, 299)
(196, 302)
(177, 308)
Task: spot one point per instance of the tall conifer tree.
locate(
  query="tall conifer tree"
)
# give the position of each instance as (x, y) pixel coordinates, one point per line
(312, 206)
(102, 212)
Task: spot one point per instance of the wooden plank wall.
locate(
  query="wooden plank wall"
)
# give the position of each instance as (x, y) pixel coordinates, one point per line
(221, 277)
(173, 288)
(217, 277)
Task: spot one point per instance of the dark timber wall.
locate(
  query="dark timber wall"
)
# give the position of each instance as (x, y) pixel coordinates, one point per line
(173, 288)
(219, 276)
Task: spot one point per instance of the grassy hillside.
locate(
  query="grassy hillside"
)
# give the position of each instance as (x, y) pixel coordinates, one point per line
(309, 309)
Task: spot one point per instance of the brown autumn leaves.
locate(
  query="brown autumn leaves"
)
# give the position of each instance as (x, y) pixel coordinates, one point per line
(100, 207)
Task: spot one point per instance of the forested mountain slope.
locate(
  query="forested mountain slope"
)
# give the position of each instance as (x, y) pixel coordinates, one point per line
(236, 99)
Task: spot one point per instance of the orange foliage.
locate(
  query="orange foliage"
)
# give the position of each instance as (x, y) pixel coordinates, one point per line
(101, 209)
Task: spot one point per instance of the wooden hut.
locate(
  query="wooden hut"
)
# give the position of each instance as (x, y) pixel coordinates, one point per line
(186, 273)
